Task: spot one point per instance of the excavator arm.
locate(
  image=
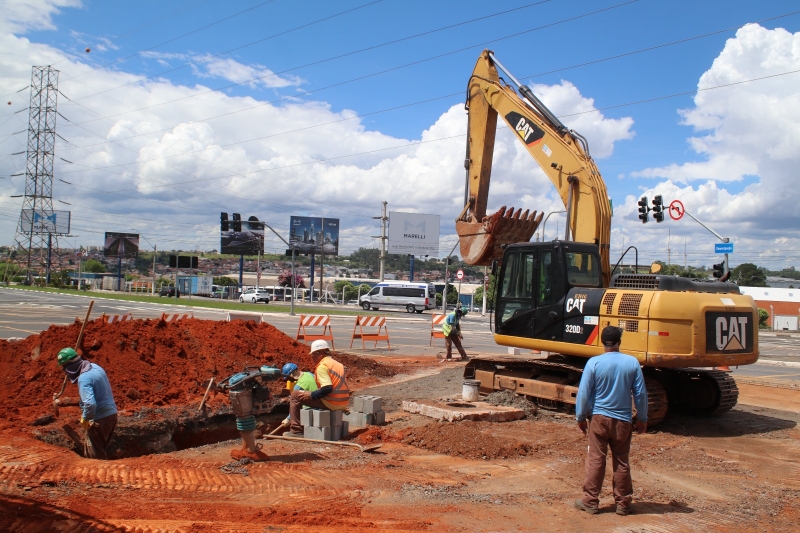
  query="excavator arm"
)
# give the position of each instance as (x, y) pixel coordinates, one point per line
(561, 153)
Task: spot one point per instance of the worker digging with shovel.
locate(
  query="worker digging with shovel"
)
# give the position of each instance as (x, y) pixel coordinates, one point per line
(98, 410)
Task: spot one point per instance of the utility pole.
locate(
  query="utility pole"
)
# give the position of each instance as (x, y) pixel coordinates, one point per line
(384, 219)
(669, 250)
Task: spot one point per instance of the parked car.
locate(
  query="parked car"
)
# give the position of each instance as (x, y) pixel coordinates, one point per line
(254, 296)
(168, 291)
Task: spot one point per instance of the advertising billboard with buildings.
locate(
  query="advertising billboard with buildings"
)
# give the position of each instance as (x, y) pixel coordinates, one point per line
(241, 237)
(40, 222)
(314, 235)
(413, 233)
(121, 244)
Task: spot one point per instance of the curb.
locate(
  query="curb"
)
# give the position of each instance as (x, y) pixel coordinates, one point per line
(772, 362)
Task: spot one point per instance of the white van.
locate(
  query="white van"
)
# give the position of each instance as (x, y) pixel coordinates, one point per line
(413, 296)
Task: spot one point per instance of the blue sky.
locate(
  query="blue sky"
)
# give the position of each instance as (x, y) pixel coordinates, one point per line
(648, 145)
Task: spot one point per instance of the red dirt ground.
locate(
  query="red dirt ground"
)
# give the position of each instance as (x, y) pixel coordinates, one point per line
(152, 363)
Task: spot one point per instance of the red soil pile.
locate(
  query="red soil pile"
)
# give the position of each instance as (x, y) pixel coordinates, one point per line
(151, 362)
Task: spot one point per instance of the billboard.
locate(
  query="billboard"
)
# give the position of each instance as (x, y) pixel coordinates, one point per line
(41, 222)
(314, 235)
(413, 233)
(121, 244)
(241, 237)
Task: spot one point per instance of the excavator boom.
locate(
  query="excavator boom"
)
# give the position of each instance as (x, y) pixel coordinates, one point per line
(562, 154)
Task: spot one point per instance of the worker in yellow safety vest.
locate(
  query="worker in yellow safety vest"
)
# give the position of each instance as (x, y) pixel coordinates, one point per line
(332, 391)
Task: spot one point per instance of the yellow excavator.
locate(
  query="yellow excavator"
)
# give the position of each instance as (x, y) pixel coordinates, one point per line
(555, 297)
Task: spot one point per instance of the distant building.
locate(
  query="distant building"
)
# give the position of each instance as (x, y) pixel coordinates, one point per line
(782, 304)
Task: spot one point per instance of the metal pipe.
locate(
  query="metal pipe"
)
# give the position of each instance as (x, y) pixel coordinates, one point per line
(571, 181)
(544, 224)
(446, 268)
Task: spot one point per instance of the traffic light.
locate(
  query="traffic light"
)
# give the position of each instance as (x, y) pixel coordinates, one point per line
(223, 221)
(194, 261)
(643, 210)
(719, 269)
(658, 208)
(173, 261)
(237, 222)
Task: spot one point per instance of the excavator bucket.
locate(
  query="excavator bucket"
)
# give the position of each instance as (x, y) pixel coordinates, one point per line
(482, 242)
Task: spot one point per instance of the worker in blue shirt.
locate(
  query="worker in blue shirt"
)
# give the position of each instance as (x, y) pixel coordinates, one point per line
(98, 410)
(604, 396)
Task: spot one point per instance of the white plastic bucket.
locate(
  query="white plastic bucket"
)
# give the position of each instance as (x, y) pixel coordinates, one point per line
(469, 393)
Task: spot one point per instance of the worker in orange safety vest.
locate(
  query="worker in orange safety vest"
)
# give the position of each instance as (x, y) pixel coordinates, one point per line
(332, 391)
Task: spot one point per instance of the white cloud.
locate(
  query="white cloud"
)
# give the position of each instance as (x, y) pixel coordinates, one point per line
(168, 170)
(566, 100)
(20, 16)
(747, 131)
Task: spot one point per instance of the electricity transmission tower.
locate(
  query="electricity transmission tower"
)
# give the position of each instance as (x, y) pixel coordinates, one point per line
(38, 229)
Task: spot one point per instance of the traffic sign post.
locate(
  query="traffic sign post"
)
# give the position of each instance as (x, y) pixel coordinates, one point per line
(460, 274)
(677, 210)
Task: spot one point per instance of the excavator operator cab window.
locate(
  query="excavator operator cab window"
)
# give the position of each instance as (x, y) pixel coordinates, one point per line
(583, 269)
(545, 279)
(516, 290)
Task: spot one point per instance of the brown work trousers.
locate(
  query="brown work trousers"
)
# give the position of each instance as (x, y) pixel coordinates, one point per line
(99, 437)
(449, 341)
(605, 433)
(295, 404)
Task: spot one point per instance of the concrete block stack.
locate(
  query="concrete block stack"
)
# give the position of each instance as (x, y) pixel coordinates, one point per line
(366, 411)
(321, 424)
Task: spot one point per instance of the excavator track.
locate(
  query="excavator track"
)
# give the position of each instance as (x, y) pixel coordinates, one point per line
(552, 383)
(697, 391)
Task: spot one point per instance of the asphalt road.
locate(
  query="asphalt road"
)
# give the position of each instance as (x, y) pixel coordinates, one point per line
(24, 313)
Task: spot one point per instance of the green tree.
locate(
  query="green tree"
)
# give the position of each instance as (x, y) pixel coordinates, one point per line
(491, 293)
(749, 275)
(350, 290)
(93, 265)
(763, 316)
(224, 280)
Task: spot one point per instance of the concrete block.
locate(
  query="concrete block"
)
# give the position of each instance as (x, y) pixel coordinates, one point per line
(455, 411)
(336, 432)
(358, 404)
(514, 351)
(336, 418)
(322, 418)
(358, 420)
(306, 418)
(311, 432)
(372, 404)
(345, 429)
(379, 418)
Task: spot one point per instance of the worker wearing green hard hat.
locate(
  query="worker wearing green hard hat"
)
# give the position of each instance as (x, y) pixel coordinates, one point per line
(98, 410)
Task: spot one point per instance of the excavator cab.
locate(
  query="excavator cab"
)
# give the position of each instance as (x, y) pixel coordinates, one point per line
(541, 283)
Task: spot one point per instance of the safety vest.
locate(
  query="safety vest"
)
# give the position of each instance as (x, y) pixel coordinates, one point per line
(339, 397)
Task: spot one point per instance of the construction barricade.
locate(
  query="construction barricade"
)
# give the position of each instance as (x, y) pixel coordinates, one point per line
(371, 322)
(174, 317)
(436, 328)
(110, 319)
(315, 321)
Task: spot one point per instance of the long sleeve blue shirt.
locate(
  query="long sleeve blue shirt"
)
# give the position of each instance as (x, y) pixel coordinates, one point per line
(97, 401)
(606, 387)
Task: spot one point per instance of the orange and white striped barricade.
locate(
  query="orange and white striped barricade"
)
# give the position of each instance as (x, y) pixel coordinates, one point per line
(315, 321)
(436, 328)
(110, 319)
(174, 317)
(371, 322)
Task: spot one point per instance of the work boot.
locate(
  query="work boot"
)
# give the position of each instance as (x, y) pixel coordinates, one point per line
(294, 434)
(623, 511)
(583, 507)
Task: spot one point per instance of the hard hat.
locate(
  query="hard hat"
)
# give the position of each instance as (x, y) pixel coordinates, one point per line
(287, 369)
(66, 355)
(319, 345)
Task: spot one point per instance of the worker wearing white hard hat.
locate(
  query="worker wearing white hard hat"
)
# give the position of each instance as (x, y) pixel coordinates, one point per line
(332, 391)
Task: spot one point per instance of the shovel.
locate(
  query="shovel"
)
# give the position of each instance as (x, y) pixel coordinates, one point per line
(77, 344)
(364, 449)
